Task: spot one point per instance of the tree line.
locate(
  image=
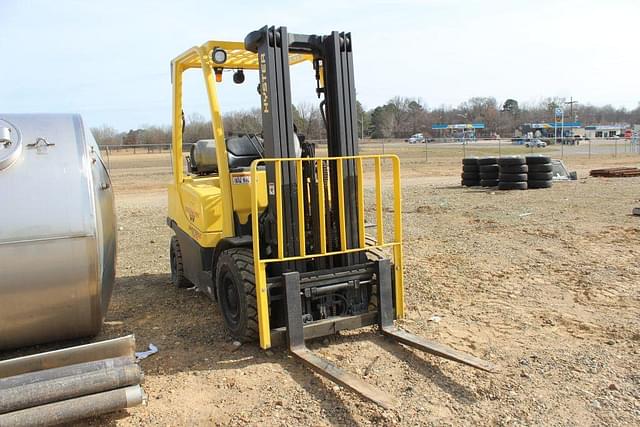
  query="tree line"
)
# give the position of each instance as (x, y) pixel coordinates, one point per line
(400, 117)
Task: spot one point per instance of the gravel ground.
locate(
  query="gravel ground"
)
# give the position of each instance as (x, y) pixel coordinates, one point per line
(544, 283)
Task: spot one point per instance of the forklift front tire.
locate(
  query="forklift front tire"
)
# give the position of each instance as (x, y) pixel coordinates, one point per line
(177, 267)
(236, 287)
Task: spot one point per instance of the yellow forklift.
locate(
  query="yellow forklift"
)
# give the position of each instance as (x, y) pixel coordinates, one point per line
(276, 234)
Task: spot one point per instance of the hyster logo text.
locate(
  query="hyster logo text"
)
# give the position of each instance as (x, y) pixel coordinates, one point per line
(263, 83)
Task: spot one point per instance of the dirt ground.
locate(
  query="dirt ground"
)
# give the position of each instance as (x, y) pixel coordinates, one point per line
(543, 283)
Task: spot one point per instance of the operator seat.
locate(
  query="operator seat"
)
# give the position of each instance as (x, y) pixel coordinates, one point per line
(241, 151)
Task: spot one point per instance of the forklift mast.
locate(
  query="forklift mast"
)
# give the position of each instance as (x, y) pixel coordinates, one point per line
(333, 63)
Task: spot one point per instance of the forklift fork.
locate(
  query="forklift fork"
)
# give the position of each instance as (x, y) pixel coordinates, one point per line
(295, 339)
(385, 301)
(297, 347)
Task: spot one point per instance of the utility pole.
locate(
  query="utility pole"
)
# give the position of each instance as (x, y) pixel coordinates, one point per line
(570, 104)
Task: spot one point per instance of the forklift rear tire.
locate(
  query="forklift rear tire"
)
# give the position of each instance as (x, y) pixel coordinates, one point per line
(177, 266)
(236, 287)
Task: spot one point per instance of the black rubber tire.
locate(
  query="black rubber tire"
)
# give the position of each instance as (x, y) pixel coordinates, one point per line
(236, 289)
(470, 182)
(542, 167)
(512, 186)
(470, 176)
(489, 168)
(514, 169)
(487, 161)
(511, 160)
(540, 184)
(488, 176)
(471, 161)
(470, 168)
(540, 176)
(512, 177)
(489, 182)
(177, 266)
(538, 159)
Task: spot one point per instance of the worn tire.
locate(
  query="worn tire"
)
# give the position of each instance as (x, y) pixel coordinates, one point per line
(470, 168)
(541, 167)
(494, 168)
(512, 186)
(488, 176)
(540, 184)
(489, 182)
(511, 160)
(470, 161)
(538, 159)
(540, 176)
(513, 177)
(177, 266)
(514, 169)
(473, 176)
(236, 288)
(470, 183)
(487, 161)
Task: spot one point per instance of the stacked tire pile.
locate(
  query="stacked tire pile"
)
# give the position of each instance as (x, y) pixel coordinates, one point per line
(470, 172)
(489, 170)
(513, 173)
(540, 172)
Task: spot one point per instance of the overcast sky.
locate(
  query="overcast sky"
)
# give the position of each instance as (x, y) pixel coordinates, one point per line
(109, 60)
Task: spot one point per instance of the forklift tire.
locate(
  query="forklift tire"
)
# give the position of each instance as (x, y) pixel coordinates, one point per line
(177, 267)
(236, 288)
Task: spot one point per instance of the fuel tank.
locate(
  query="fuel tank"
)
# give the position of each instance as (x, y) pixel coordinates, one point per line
(57, 230)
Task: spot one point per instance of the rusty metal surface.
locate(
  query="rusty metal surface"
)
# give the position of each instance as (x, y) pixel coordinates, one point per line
(615, 172)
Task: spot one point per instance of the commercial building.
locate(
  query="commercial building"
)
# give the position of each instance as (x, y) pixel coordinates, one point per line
(605, 131)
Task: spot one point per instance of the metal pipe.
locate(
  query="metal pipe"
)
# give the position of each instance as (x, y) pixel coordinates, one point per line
(64, 371)
(36, 394)
(76, 409)
(117, 347)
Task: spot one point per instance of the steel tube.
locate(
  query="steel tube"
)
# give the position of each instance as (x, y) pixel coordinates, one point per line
(64, 371)
(36, 394)
(75, 409)
(117, 347)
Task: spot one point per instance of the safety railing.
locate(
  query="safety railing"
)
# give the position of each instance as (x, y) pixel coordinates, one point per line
(322, 166)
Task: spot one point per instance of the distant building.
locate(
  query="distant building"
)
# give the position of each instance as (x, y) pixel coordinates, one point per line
(605, 131)
(549, 130)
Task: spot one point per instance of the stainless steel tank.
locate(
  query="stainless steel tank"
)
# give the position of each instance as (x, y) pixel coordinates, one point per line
(57, 230)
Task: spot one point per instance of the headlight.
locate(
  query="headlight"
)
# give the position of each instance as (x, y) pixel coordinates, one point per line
(219, 56)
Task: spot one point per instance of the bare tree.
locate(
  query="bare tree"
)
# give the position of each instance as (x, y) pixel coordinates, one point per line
(106, 135)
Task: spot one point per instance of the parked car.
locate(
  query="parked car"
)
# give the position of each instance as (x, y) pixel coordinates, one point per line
(413, 139)
(536, 143)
